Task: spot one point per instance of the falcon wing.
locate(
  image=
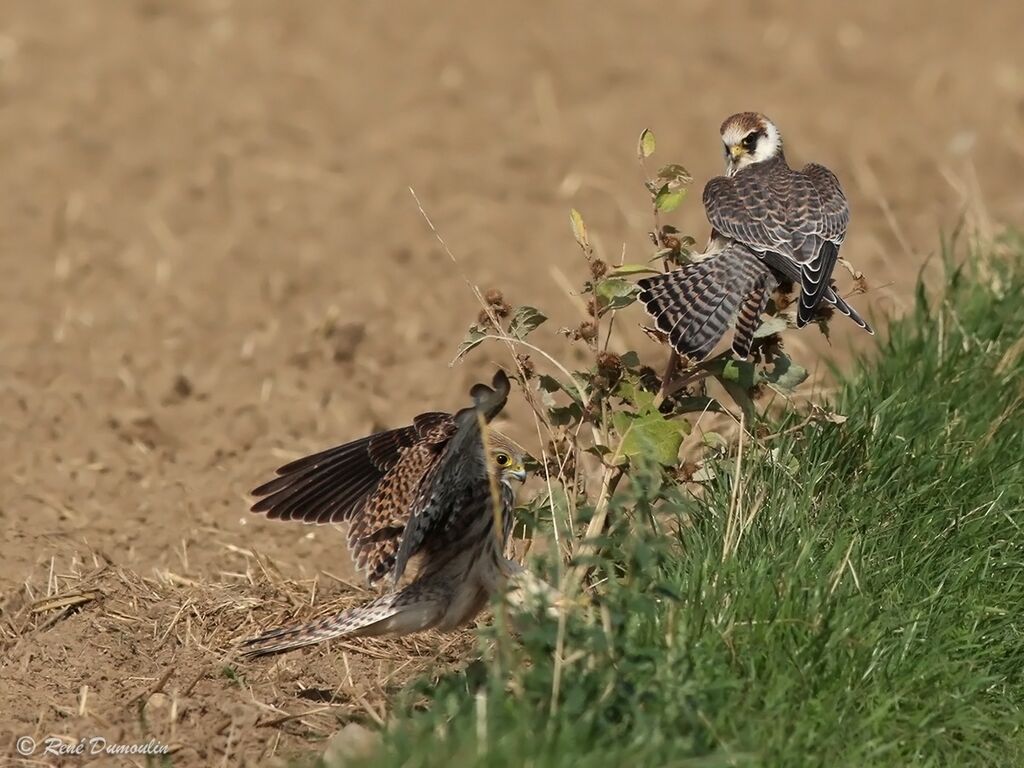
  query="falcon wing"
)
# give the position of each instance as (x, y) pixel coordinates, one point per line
(461, 468)
(332, 486)
(832, 216)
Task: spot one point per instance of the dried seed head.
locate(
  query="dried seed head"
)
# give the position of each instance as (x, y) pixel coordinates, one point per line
(497, 303)
(560, 448)
(608, 362)
(588, 330)
(598, 269)
(529, 369)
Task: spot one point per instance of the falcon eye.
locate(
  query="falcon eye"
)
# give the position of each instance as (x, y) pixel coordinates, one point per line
(750, 140)
(502, 459)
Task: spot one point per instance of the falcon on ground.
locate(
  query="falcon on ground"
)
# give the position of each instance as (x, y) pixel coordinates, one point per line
(439, 492)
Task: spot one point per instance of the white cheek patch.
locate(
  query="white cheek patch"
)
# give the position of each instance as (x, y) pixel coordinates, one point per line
(768, 146)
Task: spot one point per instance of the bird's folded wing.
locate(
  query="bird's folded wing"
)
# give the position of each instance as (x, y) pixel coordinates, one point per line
(832, 210)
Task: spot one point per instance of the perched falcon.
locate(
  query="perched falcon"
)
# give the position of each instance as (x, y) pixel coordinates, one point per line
(439, 491)
(790, 222)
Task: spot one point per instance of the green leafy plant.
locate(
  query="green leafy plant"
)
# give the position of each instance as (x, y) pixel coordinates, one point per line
(604, 421)
(846, 596)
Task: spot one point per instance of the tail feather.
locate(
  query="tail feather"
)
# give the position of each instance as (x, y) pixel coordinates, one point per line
(697, 304)
(750, 318)
(415, 608)
(686, 305)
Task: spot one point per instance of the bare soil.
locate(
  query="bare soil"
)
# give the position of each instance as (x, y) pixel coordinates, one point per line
(212, 263)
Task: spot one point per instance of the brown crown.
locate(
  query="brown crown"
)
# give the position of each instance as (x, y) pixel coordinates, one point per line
(745, 121)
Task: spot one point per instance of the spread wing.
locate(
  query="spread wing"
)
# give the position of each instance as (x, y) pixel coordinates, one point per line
(460, 472)
(796, 217)
(332, 486)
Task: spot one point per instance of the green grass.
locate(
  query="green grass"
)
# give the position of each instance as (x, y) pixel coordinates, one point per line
(871, 614)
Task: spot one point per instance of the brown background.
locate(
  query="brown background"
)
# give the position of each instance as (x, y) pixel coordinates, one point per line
(211, 261)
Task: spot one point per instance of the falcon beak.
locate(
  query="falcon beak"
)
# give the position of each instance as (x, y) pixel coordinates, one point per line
(517, 473)
(736, 151)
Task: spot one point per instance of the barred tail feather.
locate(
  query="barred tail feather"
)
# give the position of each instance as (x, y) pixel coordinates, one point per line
(686, 305)
(697, 304)
(750, 318)
(413, 609)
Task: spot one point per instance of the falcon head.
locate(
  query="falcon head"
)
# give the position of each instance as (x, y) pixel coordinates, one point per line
(749, 137)
(507, 457)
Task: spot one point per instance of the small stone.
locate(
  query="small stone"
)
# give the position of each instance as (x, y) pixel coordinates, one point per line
(182, 387)
(353, 742)
(347, 339)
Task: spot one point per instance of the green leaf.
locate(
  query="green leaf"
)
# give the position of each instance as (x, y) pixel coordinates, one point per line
(474, 337)
(738, 377)
(551, 385)
(632, 269)
(667, 199)
(579, 229)
(615, 293)
(770, 326)
(524, 321)
(715, 440)
(739, 372)
(675, 173)
(630, 391)
(784, 375)
(630, 359)
(645, 147)
(648, 436)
